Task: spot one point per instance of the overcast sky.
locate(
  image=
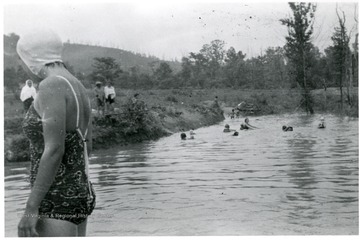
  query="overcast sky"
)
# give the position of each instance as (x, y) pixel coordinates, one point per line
(171, 30)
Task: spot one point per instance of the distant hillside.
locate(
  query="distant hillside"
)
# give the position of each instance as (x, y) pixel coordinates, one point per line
(81, 56)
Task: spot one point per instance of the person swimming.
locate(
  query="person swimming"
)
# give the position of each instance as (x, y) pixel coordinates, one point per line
(322, 123)
(184, 137)
(287, 128)
(243, 126)
(232, 114)
(227, 128)
(236, 133)
(246, 125)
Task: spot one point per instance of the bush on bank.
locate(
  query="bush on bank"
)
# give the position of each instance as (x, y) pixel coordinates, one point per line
(133, 122)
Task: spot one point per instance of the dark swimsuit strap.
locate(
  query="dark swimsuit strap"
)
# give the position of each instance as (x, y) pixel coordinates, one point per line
(83, 136)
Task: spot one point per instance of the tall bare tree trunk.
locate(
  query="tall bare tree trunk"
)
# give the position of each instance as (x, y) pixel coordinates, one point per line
(350, 78)
(343, 57)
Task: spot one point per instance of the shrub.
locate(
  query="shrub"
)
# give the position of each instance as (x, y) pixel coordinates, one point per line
(20, 148)
(13, 125)
(134, 124)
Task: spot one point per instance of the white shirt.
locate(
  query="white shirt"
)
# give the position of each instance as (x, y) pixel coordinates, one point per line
(109, 91)
(27, 92)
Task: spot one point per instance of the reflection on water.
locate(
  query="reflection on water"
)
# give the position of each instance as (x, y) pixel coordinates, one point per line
(262, 182)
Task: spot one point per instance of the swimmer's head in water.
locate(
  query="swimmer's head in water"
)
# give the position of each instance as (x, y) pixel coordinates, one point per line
(284, 127)
(246, 120)
(227, 126)
(183, 136)
(236, 133)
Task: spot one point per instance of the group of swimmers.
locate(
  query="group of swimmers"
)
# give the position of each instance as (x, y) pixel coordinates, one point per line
(246, 126)
(289, 128)
(243, 126)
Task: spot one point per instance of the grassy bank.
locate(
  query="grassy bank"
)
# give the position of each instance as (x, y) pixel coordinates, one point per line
(162, 112)
(154, 115)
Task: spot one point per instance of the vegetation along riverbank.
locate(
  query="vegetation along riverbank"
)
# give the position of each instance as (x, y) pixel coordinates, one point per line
(159, 113)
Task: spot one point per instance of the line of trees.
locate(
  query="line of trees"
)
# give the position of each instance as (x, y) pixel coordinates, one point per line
(211, 67)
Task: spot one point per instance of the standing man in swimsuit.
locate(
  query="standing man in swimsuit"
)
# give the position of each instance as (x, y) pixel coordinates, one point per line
(58, 126)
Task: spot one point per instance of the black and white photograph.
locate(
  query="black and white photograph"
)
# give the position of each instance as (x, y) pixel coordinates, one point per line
(180, 119)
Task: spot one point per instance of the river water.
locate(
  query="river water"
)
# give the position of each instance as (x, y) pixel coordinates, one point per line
(262, 182)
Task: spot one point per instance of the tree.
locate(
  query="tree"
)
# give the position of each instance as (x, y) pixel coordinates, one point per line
(298, 46)
(105, 68)
(341, 52)
(200, 65)
(10, 79)
(186, 71)
(330, 71)
(134, 77)
(163, 75)
(10, 42)
(21, 75)
(274, 68)
(317, 71)
(214, 53)
(163, 71)
(235, 68)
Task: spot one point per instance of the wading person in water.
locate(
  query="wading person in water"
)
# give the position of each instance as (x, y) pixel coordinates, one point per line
(58, 126)
(246, 125)
(322, 123)
(287, 128)
(227, 129)
(184, 137)
(27, 95)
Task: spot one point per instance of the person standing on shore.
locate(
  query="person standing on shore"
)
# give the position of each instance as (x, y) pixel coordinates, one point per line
(100, 97)
(27, 95)
(58, 126)
(110, 95)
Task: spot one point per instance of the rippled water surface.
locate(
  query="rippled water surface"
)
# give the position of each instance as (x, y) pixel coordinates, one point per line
(262, 182)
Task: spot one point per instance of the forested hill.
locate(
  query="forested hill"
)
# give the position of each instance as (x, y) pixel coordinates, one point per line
(81, 57)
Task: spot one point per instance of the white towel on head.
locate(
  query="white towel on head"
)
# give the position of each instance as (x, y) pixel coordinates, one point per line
(27, 92)
(39, 48)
